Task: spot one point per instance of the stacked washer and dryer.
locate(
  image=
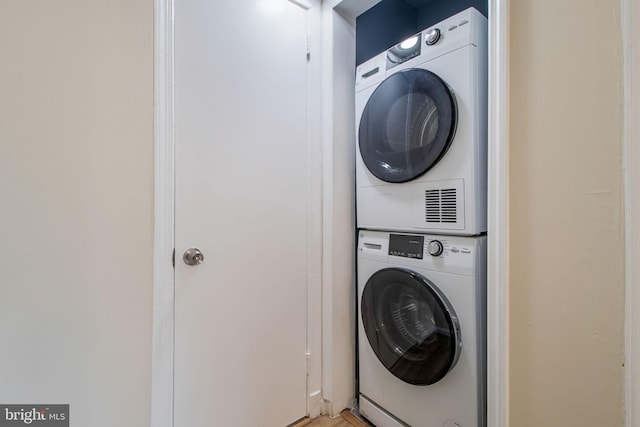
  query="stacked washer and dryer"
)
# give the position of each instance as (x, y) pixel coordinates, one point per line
(421, 176)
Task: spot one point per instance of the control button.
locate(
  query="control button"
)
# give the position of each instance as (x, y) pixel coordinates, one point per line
(466, 251)
(433, 36)
(463, 22)
(454, 249)
(453, 27)
(435, 248)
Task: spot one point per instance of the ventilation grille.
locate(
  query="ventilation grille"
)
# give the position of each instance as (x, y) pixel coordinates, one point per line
(440, 205)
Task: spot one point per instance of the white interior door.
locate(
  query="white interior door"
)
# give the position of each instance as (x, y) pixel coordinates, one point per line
(241, 198)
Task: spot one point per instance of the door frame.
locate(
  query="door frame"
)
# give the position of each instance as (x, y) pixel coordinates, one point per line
(162, 352)
(630, 13)
(498, 221)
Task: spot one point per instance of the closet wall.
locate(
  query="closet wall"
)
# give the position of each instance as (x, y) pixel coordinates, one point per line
(567, 230)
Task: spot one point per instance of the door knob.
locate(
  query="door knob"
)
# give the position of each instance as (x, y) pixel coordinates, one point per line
(193, 256)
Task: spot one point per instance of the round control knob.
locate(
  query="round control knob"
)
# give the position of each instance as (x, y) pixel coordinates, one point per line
(433, 36)
(435, 248)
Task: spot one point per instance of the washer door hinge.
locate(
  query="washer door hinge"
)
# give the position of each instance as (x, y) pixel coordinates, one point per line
(173, 258)
(308, 364)
(308, 47)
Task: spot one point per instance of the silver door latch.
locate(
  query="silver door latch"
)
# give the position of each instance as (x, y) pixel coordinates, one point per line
(193, 256)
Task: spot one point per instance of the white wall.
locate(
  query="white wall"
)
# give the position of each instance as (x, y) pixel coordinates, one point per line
(567, 227)
(76, 222)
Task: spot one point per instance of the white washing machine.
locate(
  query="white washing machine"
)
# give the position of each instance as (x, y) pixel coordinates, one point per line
(422, 329)
(421, 121)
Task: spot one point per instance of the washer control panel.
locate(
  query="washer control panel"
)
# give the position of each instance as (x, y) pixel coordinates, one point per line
(406, 245)
(455, 254)
(419, 246)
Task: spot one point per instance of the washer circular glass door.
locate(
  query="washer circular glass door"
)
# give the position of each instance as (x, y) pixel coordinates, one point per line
(410, 325)
(407, 125)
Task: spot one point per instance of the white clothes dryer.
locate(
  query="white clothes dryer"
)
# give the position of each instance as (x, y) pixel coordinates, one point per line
(421, 122)
(422, 329)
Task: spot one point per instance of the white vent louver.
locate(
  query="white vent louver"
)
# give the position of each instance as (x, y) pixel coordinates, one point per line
(440, 206)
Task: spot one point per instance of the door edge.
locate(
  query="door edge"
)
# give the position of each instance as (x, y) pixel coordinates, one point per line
(630, 12)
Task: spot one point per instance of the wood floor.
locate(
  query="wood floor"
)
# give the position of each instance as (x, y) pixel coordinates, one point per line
(346, 419)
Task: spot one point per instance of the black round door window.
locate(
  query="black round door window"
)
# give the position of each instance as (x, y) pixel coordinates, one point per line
(407, 125)
(410, 325)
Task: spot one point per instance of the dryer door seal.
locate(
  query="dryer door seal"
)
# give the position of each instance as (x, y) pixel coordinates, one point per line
(407, 125)
(411, 326)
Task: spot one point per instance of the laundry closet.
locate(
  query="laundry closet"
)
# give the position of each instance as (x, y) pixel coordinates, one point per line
(267, 180)
(421, 111)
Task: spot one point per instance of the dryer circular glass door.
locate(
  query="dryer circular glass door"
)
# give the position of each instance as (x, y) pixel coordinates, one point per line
(407, 125)
(410, 325)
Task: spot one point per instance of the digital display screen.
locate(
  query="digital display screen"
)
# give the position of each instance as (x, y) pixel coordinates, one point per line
(406, 246)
